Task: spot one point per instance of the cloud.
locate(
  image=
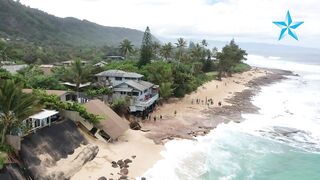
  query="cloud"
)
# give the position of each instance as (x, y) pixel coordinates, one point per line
(249, 20)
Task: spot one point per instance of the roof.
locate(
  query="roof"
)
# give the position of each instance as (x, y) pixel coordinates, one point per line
(46, 66)
(101, 63)
(115, 57)
(14, 68)
(111, 123)
(119, 73)
(122, 89)
(70, 62)
(44, 114)
(139, 85)
(49, 92)
(74, 85)
(7, 62)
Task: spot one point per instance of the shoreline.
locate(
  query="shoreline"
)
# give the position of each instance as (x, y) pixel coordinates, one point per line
(191, 120)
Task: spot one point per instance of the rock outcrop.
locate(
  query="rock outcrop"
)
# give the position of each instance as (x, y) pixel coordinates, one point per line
(66, 168)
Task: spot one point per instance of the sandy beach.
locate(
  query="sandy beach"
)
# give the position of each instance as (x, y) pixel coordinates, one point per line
(191, 119)
(194, 118)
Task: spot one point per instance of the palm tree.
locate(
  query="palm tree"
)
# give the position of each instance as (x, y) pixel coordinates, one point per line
(156, 47)
(78, 74)
(181, 44)
(126, 47)
(204, 43)
(166, 90)
(197, 52)
(166, 50)
(15, 106)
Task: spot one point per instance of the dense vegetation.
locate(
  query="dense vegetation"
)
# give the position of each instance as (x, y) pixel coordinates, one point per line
(32, 53)
(31, 36)
(177, 70)
(180, 70)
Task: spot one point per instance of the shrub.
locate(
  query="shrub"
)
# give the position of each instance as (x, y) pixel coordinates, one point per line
(120, 105)
(3, 159)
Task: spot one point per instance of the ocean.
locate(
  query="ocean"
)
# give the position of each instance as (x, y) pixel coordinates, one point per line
(281, 142)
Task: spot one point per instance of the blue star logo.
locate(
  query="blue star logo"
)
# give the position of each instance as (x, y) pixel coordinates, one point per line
(288, 25)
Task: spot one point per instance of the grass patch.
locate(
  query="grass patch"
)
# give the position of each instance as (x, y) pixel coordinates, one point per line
(3, 158)
(212, 75)
(241, 67)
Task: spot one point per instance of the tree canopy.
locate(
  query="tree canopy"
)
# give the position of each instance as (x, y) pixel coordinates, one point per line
(15, 106)
(229, 57)
(146, 51)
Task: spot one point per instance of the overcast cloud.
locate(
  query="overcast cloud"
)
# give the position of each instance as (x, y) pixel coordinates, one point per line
(245, 20)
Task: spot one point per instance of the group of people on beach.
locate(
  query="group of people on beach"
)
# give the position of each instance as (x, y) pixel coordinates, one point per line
(204, 102)
(207, 102)
(160, 116)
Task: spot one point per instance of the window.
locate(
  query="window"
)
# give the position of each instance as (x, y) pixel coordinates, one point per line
(145, 90)
(37, 123)
(123, 93)
(118, 78)
(135, 93)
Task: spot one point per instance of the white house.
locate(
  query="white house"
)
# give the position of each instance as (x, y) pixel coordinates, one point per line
(142, 94)
(41, 119)
(115, 77)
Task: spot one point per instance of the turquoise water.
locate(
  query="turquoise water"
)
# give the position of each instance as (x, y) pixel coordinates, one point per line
(281, 142)
(245, 156)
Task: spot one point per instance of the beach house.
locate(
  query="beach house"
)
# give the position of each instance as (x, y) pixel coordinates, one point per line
(111, 125)
(41, 119)
(142, 94)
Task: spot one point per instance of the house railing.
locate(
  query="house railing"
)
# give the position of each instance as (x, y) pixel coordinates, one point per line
(148, 102)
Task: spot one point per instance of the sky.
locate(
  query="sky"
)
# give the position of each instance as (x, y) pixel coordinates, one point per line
(244, 20)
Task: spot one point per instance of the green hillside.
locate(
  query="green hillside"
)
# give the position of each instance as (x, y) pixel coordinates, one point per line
(22, 23)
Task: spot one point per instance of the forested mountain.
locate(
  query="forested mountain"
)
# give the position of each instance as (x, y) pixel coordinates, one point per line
(22, 23)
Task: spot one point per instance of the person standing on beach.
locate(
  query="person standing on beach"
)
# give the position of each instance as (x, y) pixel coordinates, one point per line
(175, 112)
(155, 118)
